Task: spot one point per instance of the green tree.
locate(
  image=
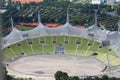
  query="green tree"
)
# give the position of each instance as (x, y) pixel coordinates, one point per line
(75, 78)
(105, 77)
(59, 75)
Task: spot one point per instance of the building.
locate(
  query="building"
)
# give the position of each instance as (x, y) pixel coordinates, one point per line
(97, 1)
(111, 1)
(104, 1)
(72, 0)
(118, 0)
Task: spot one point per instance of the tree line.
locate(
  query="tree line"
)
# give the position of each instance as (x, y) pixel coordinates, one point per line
(59, 75)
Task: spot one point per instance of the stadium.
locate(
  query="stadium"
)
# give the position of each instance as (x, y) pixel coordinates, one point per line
(40, 52)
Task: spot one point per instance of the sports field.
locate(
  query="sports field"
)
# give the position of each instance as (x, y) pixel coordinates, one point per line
(45, 66)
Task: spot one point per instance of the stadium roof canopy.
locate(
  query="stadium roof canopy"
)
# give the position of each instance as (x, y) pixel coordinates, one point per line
(92, 32)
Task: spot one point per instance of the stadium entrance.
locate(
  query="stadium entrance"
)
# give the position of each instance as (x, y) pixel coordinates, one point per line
(59, 49)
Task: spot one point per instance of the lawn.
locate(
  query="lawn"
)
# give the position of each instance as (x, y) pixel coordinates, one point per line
(25, 28)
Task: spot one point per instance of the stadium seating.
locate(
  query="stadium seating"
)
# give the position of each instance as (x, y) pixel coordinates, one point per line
(72, 45)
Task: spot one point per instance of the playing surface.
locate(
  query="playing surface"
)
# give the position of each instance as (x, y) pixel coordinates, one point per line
(47, 65)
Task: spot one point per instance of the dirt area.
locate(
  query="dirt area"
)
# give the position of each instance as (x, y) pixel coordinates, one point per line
(45, 66)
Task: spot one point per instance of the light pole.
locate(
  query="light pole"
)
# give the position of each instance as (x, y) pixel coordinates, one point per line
(108, 62)
(106, 43)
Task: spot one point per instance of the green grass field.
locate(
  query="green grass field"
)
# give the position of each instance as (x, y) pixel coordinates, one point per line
(45, 45)
(25, 28)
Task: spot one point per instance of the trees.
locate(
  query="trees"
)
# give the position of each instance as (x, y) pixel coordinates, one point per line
(105, 77)
(59, 75)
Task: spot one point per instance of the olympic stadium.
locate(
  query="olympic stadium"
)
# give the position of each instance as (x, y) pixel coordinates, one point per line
(40, 52)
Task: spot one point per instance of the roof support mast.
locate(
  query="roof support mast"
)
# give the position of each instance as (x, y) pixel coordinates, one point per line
(12, 23)
(67, 21)
(96, 19)
(119, 25)
(39, 19)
